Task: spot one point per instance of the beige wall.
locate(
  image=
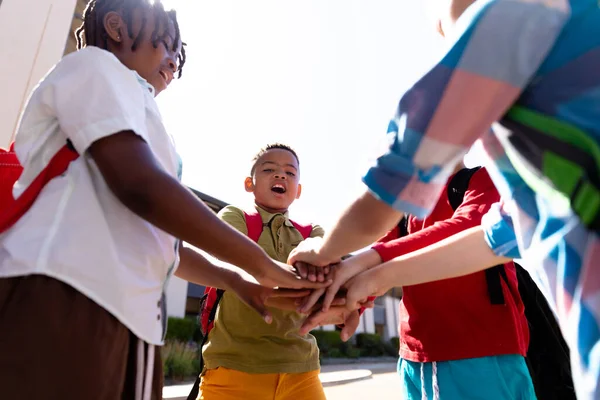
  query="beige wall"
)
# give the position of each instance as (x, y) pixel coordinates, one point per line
(33, 34)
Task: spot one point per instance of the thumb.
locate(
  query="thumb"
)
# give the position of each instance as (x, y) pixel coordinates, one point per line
(350, 326)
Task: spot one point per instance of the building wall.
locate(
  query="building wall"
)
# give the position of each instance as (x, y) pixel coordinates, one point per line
(33, 34)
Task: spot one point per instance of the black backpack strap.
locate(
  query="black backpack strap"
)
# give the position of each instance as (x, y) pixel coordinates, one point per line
(403, 226)
(457, 187)
(213, 313)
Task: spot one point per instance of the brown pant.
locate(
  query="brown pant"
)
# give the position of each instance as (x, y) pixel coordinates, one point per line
(55, 343)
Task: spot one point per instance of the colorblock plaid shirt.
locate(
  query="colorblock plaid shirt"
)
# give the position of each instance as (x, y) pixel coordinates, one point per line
(542, 55)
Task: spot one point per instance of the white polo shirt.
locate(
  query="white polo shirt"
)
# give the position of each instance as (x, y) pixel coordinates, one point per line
(77, 231)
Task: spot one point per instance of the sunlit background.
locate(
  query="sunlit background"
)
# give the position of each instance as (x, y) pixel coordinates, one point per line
(323, 76)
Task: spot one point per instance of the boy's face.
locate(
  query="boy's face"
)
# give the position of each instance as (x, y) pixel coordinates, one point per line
(156, 65)
(275, 180)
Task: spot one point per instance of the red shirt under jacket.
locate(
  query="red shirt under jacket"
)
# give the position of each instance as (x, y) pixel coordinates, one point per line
(454, 319)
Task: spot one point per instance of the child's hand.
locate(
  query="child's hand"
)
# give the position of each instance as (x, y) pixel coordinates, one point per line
(363, 286)
(310, 272)
(340, 274)
(258, 297)
(278, 274)
(337, 315)
(308, 252)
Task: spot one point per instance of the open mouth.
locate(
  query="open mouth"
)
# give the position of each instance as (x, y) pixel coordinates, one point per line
(166, 77)
(278, 188)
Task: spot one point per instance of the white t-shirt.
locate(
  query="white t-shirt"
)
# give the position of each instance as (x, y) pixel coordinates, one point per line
(77, 231)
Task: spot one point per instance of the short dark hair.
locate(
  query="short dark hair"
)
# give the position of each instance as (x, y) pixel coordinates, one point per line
(268, 147)
(92, 28)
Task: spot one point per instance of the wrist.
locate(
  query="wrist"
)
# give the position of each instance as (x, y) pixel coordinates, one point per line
(368, 259)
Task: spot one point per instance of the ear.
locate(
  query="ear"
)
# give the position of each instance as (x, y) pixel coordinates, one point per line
(299, 191)
(249, 185)
(114, 25)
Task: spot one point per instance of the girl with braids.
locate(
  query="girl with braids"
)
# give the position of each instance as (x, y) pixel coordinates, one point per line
(83, 271)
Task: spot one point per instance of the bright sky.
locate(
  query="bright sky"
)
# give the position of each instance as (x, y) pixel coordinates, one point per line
(323, 76)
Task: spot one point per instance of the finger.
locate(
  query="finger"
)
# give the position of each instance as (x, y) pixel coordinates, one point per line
(326, 269)
(294, 282)
(312, 273)
(368, 304)
(262, 310)
(285, 292)
(311, 300)
(313, 321)
(320, 274)
(338, 301)
(302, 269)
(350, 326)
(330, 295)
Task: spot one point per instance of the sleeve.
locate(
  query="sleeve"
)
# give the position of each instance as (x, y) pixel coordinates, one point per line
(93, 96)
(496, 50)
(317, 231)
(234, 217)
(499, 232)
(478, 199)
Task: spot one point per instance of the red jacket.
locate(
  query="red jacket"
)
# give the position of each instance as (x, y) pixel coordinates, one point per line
(454, 318)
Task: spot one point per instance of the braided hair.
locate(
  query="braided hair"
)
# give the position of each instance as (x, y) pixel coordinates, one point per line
(92, 29)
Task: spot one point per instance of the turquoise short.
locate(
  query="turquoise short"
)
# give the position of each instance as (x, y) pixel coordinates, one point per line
(485, 378)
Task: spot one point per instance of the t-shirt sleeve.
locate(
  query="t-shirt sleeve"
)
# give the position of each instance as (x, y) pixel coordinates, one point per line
(317, 231)
(234, 217)
(495, 50)
(499, 232)
(478, 198)
(93, 96)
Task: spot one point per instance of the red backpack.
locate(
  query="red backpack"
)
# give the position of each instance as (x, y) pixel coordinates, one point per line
(212, 296)
(12, 209)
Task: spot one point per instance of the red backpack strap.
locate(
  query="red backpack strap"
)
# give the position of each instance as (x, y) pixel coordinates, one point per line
(15, 208)
(305, 230)
(254, 224)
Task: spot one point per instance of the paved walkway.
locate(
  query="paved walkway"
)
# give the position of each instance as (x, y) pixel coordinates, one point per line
(331, 375)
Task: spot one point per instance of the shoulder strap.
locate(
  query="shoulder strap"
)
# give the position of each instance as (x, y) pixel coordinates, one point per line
(305, 230)
(458, 186)
(403, 227)
(254, 224)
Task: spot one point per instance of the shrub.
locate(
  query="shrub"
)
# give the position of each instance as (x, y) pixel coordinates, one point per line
(179, 360)
(181, 329)
(352, 352)
(396, 343)
(370, 344)
(328, 341)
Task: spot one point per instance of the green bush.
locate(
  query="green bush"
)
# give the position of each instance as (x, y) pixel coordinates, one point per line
(328, 341)
(396, 343)
(352, 352)
(370, 345)
(181, 329)
(180, 361)
(335, 353)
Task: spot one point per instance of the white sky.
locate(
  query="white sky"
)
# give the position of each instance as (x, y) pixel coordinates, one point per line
(323, 76)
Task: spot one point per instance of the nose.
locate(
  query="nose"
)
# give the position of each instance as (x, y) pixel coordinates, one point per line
(172, 64)
(280, 175)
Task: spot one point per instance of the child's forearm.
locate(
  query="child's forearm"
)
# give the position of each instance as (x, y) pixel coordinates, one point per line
(365, 221)
(195, 268)
(462, 254)
(140, 183)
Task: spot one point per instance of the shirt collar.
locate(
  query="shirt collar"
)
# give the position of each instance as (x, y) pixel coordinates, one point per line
(267, 216)
(144, 83)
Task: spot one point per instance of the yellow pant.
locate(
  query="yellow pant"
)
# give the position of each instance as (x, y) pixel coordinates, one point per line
(227, 384)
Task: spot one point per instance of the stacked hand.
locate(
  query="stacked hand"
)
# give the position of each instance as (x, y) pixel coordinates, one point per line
(352, 284)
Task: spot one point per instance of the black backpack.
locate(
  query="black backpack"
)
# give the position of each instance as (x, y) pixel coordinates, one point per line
(548, 354)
